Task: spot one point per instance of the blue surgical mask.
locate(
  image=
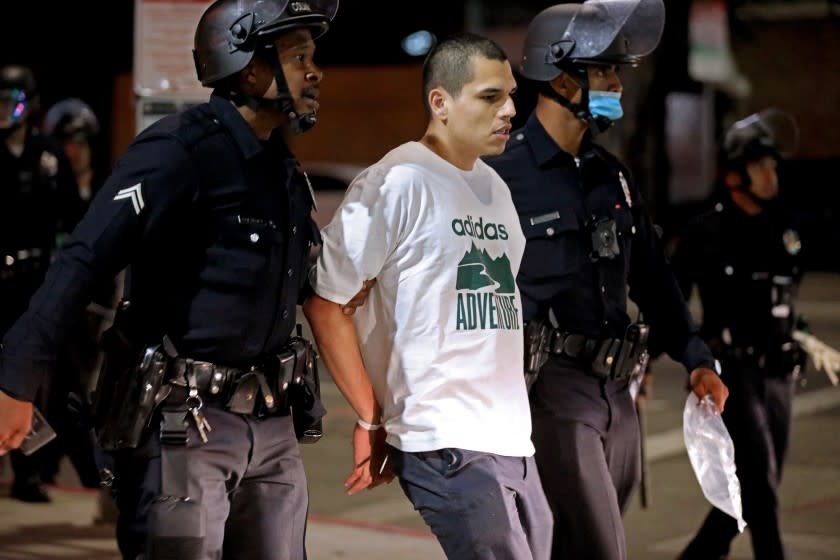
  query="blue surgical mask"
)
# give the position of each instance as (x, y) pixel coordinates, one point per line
(605, 104)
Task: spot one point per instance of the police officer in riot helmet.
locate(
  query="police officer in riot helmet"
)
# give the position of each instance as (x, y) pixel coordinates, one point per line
(569, 39)
(744, 256)
(589, 239)
(75, 126)
(38, 206)
(206, 391)
(232, 34)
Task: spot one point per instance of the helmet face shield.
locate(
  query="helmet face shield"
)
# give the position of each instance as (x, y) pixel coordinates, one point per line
(13, 105)
(769, 132)
(17, 94)
(71, 119)
(596, 26)
(597, 31)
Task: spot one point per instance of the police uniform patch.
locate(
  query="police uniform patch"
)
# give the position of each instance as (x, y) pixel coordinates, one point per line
(626, 188)
(793, 244)
(133, 193)
(49, 164)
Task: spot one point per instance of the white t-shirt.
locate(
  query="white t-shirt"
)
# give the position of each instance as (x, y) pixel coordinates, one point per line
(441, 331)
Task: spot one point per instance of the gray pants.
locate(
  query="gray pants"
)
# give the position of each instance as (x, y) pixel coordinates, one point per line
(248, 478)
(480, 506)
(586, 434)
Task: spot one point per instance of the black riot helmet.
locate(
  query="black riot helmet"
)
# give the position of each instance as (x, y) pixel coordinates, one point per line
(71, 120)
(18, 92)
(770, 132)
(567, 37)
(230, 32)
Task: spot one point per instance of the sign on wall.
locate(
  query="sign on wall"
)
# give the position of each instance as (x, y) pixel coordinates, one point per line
(163, 43)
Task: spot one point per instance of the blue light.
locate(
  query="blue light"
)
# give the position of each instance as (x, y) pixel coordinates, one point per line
(418, 43)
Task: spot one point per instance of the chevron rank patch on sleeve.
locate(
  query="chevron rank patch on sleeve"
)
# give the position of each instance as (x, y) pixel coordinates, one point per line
(133, 193)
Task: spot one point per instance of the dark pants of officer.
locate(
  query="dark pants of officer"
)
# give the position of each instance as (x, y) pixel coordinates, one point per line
(757, 415)
(248, 477)
(76, 368)
(481, 506)
(586, 435)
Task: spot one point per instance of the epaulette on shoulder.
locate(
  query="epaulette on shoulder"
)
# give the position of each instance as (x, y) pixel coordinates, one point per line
(196, 124)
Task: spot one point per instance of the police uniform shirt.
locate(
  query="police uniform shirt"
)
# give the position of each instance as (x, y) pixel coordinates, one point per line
(216, 227)
(747, 269)
(38, 201)
(561, 201)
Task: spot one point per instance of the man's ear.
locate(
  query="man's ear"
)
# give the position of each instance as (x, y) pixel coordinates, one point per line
(565, 85)
(732, 179)
(249, 78)
(438, 102)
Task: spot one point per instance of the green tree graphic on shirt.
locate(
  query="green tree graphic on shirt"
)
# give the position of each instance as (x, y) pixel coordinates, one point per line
(479, 270)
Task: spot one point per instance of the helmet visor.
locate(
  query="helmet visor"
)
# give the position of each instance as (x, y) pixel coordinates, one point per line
(598, 22)
(71, 117)
(772, 128)
(13, 105)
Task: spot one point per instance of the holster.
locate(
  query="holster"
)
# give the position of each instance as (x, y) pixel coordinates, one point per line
(128, 387)
(305, 392)
(536, 336)
(633, 356)
(623, 358)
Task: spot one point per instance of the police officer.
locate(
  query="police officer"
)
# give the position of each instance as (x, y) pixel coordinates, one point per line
(73, 125)
(744, 257)
(210, 213)
(38, 205)
(589, 239)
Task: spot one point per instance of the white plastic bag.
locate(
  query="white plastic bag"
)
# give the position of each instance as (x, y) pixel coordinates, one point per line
(712, 456)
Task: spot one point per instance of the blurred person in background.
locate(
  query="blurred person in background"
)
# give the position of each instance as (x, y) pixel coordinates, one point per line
(744, 256)
(73, 125)
(39, 205)
(590, 241)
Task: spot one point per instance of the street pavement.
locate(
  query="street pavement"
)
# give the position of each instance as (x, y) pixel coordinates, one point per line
(381, 524)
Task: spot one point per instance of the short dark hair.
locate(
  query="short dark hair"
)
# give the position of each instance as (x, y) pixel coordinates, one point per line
(449, 63)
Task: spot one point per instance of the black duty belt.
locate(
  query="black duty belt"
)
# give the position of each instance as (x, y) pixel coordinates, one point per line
(572, 345)
(244, 391)
(600, 356)
(781, 360)
(210, 378)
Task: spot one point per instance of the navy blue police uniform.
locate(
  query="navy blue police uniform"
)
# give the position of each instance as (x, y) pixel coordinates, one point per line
(38, 207)
(747, 270)
(215, 225)
(589, 239)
